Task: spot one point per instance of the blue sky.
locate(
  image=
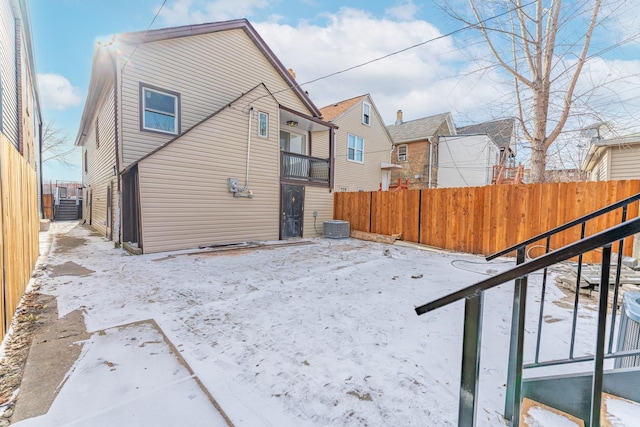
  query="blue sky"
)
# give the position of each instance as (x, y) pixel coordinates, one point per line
(314, 38)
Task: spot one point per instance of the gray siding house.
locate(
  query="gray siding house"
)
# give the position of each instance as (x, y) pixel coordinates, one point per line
(198, 135)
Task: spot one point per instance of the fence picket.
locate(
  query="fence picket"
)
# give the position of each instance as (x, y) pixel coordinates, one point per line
(485, 220)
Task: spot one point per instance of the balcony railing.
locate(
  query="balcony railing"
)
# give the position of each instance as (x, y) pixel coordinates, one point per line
(304, 168)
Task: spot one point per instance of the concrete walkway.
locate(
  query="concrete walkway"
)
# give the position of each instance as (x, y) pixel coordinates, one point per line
(128, 375)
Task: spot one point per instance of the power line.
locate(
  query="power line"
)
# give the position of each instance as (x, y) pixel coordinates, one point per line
(145, 33)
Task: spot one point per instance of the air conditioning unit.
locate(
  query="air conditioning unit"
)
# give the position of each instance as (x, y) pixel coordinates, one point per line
(335, 229)
(629, 331)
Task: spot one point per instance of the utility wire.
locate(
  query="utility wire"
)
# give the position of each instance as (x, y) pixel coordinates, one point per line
(466, 27)
(145, 34)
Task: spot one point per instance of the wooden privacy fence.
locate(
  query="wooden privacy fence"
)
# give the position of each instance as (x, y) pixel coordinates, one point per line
(485, 220)
(19, 227)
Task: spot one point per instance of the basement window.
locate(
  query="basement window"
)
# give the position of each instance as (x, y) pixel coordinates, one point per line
(159, 110)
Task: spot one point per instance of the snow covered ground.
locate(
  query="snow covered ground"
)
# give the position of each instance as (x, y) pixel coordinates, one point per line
(315, 334)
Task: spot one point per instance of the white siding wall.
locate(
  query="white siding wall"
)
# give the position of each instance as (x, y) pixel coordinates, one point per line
(600, 171)
(208, 71)
(185, 202)
(101, 161)
(466, 161)
(364, 176)
(625, 162)
(8, 72)
(316, 199)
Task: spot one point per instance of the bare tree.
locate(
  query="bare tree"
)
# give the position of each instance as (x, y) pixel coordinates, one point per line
(56, 145)
(543, 46)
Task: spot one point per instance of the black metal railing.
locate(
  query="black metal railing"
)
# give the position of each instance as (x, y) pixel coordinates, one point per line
(473, 296)
(301, 167)
(521, 249)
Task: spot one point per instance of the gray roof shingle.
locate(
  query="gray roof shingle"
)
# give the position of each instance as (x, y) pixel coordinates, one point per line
(500, 131)
(417, 129)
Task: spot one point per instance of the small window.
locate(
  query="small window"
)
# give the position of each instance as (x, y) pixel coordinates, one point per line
(366, 113)
(160, 111)
(263, 125)
(402, 153)
(97, 134)
(355, 149)
(86, 167)
(434, 159)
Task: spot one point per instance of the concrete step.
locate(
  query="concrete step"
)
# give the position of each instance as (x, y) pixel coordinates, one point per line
(618, 412)
(536, 414)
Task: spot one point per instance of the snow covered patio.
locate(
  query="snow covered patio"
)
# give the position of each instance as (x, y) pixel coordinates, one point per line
(312, 334)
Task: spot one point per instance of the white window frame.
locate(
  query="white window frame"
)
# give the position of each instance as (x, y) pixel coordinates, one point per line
(176, 116)
(261, 116)
(366, 116)
(355, 148)
(403, 157)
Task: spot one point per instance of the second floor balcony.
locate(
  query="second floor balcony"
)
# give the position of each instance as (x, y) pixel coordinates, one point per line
(304, 168)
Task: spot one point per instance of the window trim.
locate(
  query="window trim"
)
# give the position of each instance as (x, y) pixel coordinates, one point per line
(406, 153)
(368, 116)
(355, 148)
(262, 114)
(178, 115)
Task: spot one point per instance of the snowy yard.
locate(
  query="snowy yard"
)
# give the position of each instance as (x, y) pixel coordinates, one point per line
(314, 334)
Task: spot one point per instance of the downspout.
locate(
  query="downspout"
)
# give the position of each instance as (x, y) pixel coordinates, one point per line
(240, 192)
(40, 167)
(332, 140)
(430, 158)
(118, 217)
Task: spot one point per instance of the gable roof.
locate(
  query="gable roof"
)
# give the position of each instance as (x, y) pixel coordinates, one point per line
(331, 112)
(591, 159)
(102, 67)
(500, 131)
(420, 129)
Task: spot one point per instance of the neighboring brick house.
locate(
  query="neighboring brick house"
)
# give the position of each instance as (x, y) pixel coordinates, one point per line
(416, 148)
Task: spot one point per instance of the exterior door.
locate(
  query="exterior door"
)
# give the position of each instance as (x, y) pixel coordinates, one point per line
(384, 183)
(292, 211)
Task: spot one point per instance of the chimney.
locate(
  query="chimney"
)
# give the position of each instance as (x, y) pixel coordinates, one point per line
(399, 117)
(293, 74)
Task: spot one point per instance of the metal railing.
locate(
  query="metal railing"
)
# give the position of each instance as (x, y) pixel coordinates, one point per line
(473, 296)
(301, 167)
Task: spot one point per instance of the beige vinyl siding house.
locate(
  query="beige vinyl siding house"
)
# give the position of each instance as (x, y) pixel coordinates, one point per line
(99, 166)
(8, 83)
(207, 71)
(614, 159)
(363, 145)
(211, 141)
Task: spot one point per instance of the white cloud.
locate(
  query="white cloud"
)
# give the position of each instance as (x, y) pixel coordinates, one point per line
(57, 93)
(183, 12)
(420, 81)
(448, 74)
(404, 11)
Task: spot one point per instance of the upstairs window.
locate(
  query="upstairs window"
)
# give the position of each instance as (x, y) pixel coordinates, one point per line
(366, 113)
(355, 149)
(402, 153)
(159, 110)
